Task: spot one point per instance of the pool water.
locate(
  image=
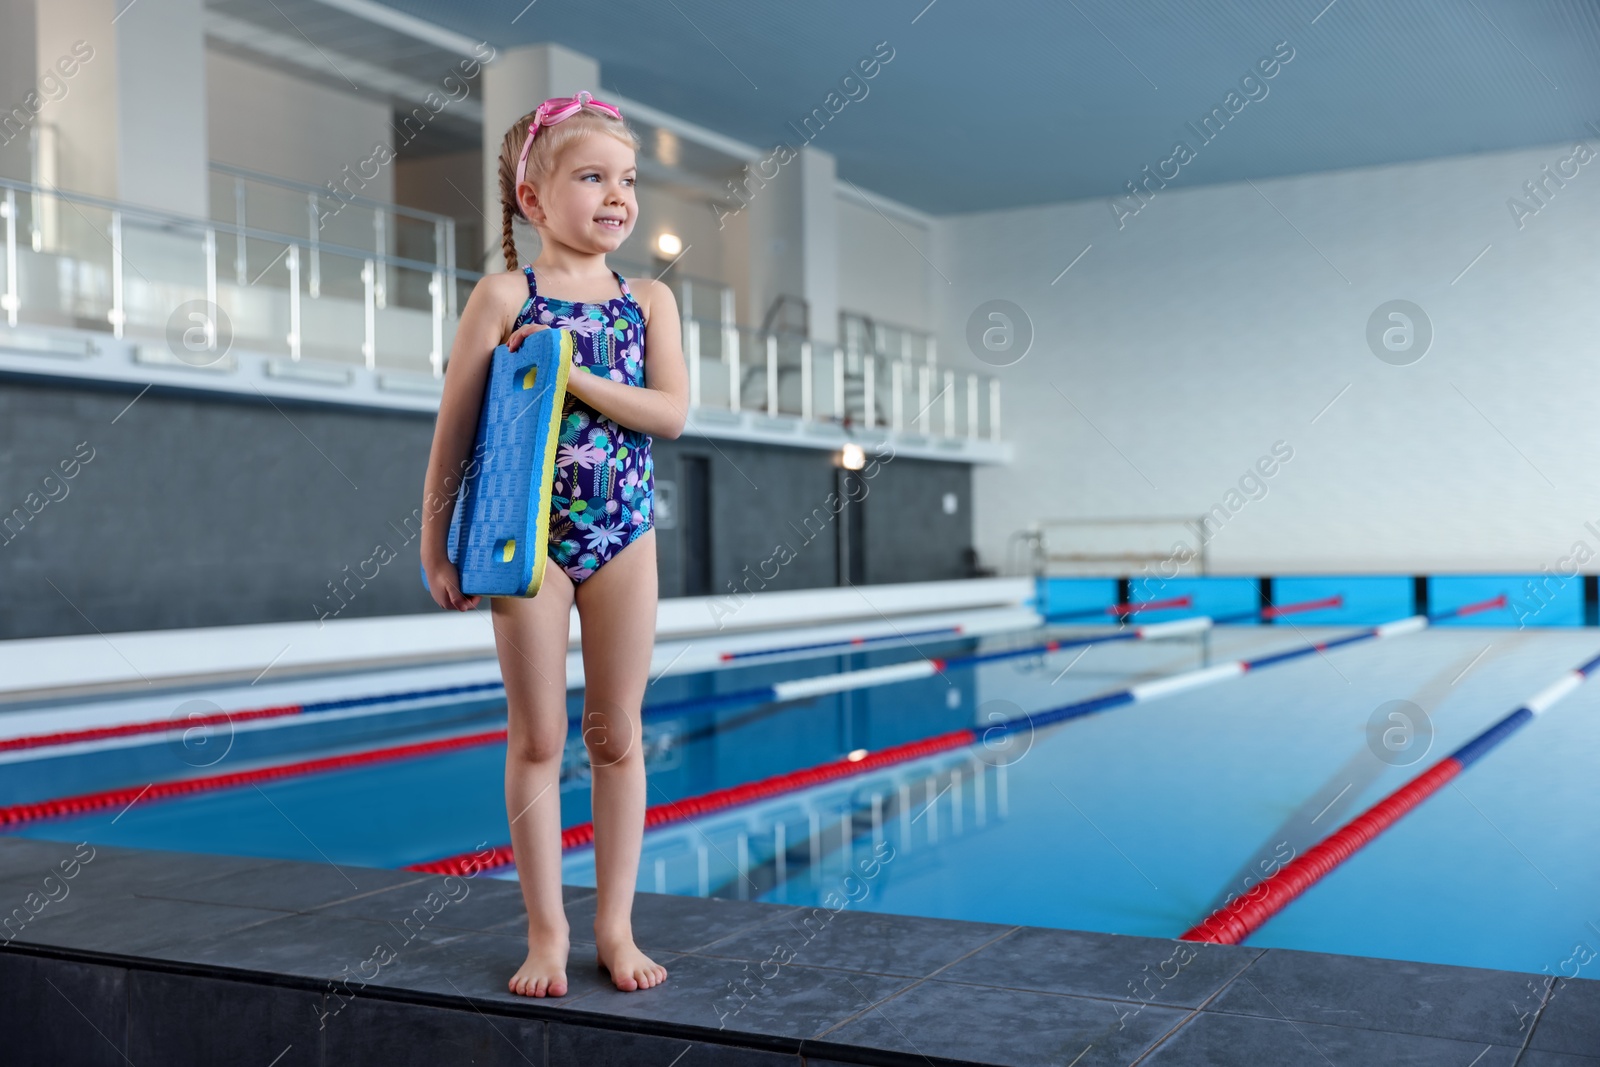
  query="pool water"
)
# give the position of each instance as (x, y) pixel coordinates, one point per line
(1138, 820)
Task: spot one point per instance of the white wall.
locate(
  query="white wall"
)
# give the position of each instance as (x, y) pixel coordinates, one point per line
(881, 270)
(1210, 327)
(291, 128)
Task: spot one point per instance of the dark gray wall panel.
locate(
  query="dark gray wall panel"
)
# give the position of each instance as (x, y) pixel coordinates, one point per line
(186, 510)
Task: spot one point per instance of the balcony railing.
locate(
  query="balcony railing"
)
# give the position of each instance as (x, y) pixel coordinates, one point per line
(79, 261)
(82, 261)
(781, 374)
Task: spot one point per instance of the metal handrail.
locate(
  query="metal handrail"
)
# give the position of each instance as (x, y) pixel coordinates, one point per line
(1043, 555)
(200, 226)
(775, 353)
(387, 206)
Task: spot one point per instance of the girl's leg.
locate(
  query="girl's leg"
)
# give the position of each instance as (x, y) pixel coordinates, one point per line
(617, 610)
(531, 640)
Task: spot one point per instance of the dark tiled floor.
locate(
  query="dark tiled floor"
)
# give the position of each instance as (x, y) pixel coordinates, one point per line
(1568, 1022)
(988, 1025)
(1218, 1040)
(173, 957)
(1412, 998)
(904, 945)
(1145, 969)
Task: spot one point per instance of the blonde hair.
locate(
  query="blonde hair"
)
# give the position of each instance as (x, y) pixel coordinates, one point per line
(542, 157)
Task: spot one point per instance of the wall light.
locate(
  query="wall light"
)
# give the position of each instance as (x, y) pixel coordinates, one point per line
(668, 244)
(851, 458)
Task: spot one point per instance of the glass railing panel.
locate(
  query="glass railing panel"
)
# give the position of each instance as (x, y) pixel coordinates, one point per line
(405, 327)
(357, 307)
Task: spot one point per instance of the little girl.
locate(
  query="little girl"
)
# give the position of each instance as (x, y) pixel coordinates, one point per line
(568, 169)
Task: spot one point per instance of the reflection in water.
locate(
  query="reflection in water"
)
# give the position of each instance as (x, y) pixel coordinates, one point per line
(799, 848)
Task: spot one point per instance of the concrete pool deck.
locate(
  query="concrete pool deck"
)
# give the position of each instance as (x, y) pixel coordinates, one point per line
(114, 955)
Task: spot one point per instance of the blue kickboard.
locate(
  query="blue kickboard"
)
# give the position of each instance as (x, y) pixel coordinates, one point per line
(499, 533)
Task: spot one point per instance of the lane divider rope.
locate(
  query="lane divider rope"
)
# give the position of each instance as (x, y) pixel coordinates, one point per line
(867, 677)
(1243, 915)
(85, 803)
(159, 726)
(850, 642)
(1131, 608)
(583, 833)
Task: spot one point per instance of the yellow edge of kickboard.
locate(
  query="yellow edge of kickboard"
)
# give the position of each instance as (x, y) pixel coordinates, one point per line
(541, 546)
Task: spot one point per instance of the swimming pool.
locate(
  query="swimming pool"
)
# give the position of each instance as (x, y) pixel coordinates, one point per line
(1137, 820)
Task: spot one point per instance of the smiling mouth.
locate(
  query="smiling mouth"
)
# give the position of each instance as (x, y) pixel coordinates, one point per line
(610, 224)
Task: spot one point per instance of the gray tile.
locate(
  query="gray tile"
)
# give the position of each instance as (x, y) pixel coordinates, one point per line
(59, 1013)
(26, 857)
(1144, 969)
(480, 965)
(1570, 1021)
(134, 925)
(1538, 1058)
(113, 873)
(387, 1034)
(723, 994)
(1212, 1039)
(458, 903)
(28, 904)
(182, 1019)
(286, 885)
(581, 1046)
(857, 941)
(484, 905)
(1434, 1000)
(308, 946)
(670, 923)
(1002, 1026)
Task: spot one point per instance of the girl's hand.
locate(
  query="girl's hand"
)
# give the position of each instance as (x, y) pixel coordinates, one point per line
(515, 340)
(444, 583)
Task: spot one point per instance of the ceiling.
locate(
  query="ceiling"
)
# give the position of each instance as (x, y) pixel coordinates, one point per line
(1018, 102)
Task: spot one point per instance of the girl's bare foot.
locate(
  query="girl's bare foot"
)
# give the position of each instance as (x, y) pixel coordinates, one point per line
(630, 969)
(544, 972)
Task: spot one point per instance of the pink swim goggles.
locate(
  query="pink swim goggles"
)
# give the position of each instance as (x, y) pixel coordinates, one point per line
(553, 111)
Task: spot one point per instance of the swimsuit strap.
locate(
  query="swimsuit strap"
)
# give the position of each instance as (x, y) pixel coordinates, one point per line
(533, 288)
(627, 295)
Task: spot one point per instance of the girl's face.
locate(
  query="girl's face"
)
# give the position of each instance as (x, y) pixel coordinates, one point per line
(588, 201)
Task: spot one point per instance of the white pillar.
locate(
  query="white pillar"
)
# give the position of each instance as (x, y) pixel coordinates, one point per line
(819, 240)
(515, 83)
(793, 220)
(774, 225)
(20, 99)
(131, 121)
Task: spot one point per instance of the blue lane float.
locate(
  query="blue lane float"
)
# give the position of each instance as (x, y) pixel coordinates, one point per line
(864, 678)
(1222, 671)
(1243, 915)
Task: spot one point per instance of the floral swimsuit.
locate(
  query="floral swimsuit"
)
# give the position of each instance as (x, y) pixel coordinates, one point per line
(602, 499)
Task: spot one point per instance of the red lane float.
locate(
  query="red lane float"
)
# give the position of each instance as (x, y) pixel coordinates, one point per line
(1242, 916)
(83, 803)
(468, 862)
(674, 810)
(87, 802)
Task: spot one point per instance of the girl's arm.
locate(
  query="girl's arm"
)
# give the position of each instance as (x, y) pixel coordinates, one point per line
(661, 407)
(484, 321)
